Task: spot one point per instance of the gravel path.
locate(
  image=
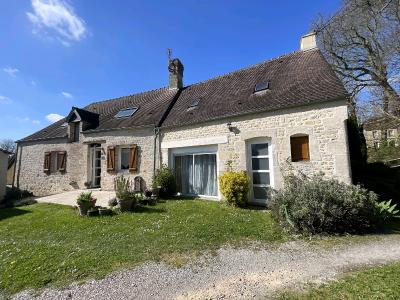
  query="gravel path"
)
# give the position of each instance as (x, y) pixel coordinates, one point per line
(234, 273)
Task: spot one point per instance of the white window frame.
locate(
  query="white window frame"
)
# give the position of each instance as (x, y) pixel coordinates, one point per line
(390, 133)
(213, 149)
(250, 166)
(375, 134)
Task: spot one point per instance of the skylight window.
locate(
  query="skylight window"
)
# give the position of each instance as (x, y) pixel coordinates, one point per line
(195, 103)
(63, 125)
(261, 86)
(126, 112)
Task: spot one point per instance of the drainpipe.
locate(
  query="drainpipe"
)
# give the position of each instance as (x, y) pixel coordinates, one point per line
(15, 166)
(156, 134)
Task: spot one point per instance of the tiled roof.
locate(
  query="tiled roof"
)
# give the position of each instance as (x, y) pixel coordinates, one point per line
(151, 107)
(381, 123)
(299, 78)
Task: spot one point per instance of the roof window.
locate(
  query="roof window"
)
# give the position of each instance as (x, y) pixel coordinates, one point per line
(261, 86)
(126, 112)
(63, 125)
(193, 105)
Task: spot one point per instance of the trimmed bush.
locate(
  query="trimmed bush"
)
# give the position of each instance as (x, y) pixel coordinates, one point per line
(317, 205)
(164, 180)
(234, 186)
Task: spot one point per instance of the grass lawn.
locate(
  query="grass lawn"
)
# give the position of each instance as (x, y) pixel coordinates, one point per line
(374, 283)
(45, 244)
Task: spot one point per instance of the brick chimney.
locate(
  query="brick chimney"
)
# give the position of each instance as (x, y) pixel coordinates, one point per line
(308, 41)
(175, 68)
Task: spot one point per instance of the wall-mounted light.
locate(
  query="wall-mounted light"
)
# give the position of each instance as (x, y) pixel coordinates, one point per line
(230, 128)
(233, 129)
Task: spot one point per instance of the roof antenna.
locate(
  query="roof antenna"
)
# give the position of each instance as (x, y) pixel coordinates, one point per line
(169, 54)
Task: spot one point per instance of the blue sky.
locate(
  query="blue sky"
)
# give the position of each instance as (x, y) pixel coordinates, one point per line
(55, 54)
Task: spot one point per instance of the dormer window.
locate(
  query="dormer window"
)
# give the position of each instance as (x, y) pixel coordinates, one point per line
(126, 112)
(75, 130)
(261, 86)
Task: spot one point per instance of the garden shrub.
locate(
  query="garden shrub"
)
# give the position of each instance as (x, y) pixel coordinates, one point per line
(234, 186)
(317, 205)
(164, 180)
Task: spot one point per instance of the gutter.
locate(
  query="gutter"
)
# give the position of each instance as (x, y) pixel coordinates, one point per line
(253, 112)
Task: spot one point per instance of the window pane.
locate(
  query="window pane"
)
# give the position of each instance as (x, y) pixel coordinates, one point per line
(124, 159)
(259, 149)
(76, 132)
(260, 163)
(260, 192)
(184, 174)
(205, 174)
(261, 178)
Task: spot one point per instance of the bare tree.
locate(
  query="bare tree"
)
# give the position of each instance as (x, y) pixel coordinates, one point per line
(361, 41)
(8, 145)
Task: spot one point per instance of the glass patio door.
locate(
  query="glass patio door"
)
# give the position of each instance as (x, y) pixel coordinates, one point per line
(260, 171)
(96, 166)
(196, 174)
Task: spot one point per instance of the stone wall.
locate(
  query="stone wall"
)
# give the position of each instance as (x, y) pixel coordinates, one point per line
(3, 173)
(324, 123)
(30, 174)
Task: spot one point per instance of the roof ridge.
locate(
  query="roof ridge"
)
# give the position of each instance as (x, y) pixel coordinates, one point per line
(135, 94)
(252, 66)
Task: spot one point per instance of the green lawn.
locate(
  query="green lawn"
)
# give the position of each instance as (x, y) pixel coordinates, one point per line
(375, 283)
(46, 244)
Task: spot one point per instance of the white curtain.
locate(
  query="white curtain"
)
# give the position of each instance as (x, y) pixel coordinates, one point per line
(205, 174)
(184, 174)
(200, 178)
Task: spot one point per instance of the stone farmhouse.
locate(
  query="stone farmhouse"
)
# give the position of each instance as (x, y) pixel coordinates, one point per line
(378, 128)
(291, 109)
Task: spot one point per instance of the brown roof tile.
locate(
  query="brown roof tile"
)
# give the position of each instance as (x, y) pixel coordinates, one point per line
(299, 78)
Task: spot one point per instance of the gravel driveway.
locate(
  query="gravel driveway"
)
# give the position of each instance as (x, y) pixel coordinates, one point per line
(234, 273)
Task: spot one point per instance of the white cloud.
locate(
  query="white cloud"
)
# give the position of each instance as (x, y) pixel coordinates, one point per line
(54, 117)
(5, 100)
(11, 71)
(67, 95)
(36, 122)
(57, 16)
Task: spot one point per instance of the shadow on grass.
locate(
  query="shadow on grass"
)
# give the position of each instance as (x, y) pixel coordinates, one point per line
(148, 210)
(11, 212)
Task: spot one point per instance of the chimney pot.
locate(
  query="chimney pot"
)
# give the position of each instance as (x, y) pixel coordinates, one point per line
(175, 68)
(308, 41)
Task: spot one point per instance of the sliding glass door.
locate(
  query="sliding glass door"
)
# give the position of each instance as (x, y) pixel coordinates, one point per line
(196, 174)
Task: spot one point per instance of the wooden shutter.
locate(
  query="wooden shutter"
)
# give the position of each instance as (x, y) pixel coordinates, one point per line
(62, 160)
(111, 159)
(133, 158)
(300, 148)
(47, 162)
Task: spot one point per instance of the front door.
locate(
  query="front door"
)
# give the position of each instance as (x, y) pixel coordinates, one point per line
(260, 163)
(96, 165)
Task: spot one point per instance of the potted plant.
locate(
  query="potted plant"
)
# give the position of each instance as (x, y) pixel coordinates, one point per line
(125, 195)
(85, 201)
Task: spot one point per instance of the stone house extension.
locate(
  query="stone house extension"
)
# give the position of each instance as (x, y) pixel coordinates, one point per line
(375, 130)
(288, 112)
(3, 173)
